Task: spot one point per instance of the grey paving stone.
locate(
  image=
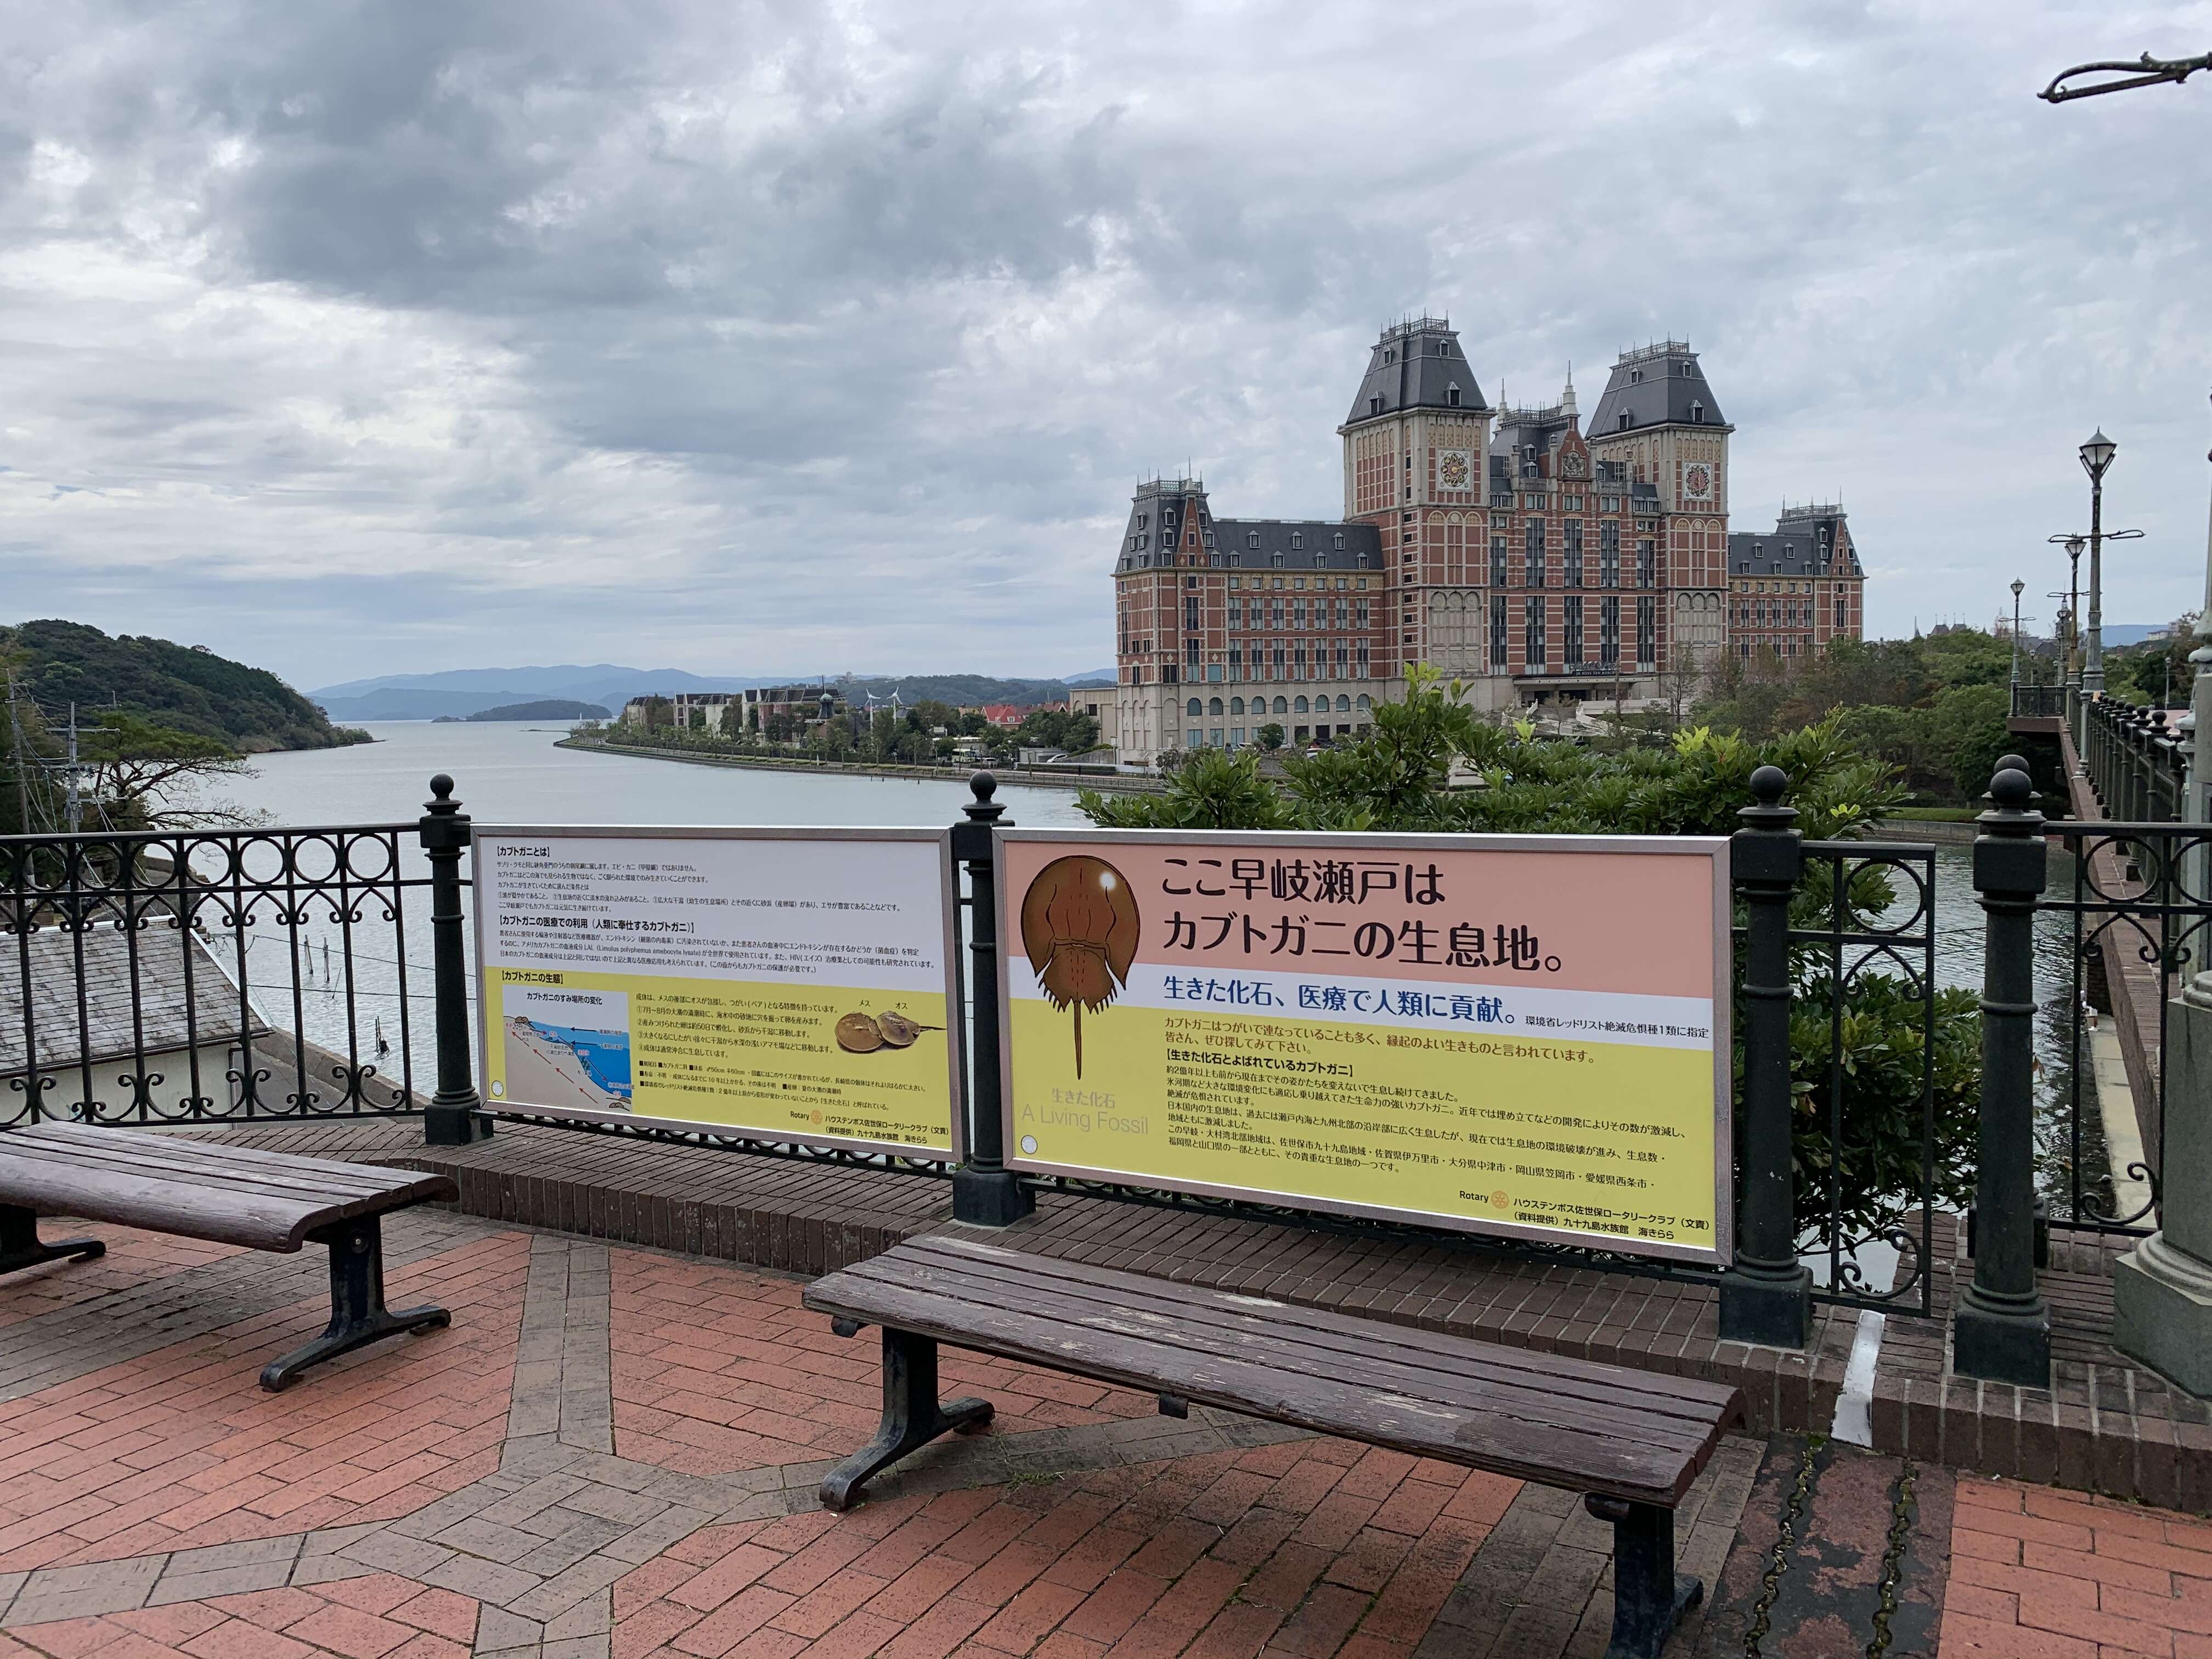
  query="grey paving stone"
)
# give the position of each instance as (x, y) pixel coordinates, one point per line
(642, 1543)
(244, 1553)
(604, 1470)
(539, 1455)
(487, 1581)
(327, 1569)
(222, 1581)
(433, 1518)
(592, 1616)
(396, 1551)
(612, 1503)
(496, 1629)
(54, 1593)
(579, 1647)
(542, 1494)
(9, 1584)
(478, 1537)
(583, 1536)
(329, 1540)
(556, 1596)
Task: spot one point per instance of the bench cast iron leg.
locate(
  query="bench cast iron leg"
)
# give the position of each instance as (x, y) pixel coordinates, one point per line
(912, 1417)
(21, 1246)
(1649, 1597)
(358, 1315)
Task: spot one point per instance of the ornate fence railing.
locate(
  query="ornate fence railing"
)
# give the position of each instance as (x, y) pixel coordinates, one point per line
(2135, 761)
(2038, 700)
(224, 975)
(209, 976)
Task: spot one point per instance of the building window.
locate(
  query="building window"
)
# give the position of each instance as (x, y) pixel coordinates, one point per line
(1535, 653)
(1697, 413)
(1339, 542)
(1571, 619)
(1532, 562)
(1190, 652)
(1608, 556)
(1194, 709)
(1195, 739)
(1573, 532)
(1498, 547)
(1276, 560)
(1190, 616)
(1298, 706)
(1297, 539)
(1627, 420)
(1236, 737)
(1214, 706)
(1374, 405)
(1647, 631)
(1608, 631)
(1647, 564)
(1842, 611)
(1451, 398)
(1497, 634)
(1251, 538)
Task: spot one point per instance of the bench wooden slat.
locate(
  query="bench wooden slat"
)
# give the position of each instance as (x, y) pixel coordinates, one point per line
(177, 1157)
(1476, 1381)
(1664, 1409)
(271, 1201)
(1646, 1443)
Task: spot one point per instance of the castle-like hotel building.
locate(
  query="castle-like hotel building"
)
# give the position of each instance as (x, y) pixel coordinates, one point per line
(1531, 559)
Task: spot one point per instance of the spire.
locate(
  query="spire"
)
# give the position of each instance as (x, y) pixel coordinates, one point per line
(1567, 398)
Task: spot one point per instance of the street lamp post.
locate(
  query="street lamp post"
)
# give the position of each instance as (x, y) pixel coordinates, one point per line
(2096, 459)
(2016, 585)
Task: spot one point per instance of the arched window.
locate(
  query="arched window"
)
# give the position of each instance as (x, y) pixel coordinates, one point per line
(1299, 707)
(1339, 542)
(1297, 539)
(1213, 707)
(1343, 705)
(1195, 709)
(1363, 703)
(1321, 561)
(1237, 705)
(1277, 561)
(1282, 706)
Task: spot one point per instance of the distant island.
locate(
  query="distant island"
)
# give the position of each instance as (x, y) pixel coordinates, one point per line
(545, 709)
(177, 688)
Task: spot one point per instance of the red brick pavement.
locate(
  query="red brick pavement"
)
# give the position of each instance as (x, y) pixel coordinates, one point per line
(716, 1370)
(180, 1448)
(2039, 1573)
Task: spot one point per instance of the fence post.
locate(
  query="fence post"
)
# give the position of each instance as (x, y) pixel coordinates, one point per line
(2002, 1327)
(455, 1115)
(1766, 1295)
(985, 1192)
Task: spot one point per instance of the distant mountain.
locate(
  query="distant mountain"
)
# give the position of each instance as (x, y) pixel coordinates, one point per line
(469, 693)
(2132, 633)
(545, 709)
(1094, 676)
(185, 687)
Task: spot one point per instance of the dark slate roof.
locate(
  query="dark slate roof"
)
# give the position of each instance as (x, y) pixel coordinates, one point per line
(106, 976)
(1415, 365)
(1656, 385)
(1792, 548)
(1318, 550)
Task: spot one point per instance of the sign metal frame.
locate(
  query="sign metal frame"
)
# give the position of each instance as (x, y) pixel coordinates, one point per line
(1713, 849)
(955, 1034)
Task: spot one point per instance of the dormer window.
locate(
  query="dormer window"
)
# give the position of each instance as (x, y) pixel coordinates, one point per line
(1451, 398)
(1251, 538)
(1321, 561)
(1627, 420)
(1277, 561)
(1374, 405)
(1297, 539)
(1696, 412)
(1339, 542)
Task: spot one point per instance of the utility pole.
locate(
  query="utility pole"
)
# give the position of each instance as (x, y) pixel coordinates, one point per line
(76, 800)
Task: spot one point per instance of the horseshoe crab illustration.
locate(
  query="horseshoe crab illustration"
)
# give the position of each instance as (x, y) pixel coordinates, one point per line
(1080, 926)
(863, 1034)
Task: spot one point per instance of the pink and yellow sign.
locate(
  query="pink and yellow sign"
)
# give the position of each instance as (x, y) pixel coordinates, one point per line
(1518, 1034)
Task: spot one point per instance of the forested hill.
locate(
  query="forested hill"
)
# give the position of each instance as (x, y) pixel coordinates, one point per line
(187, 688)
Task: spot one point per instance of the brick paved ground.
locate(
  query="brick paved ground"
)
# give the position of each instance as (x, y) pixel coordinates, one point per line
(614, 1450)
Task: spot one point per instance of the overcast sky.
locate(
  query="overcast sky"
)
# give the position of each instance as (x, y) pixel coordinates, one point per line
(761, 337)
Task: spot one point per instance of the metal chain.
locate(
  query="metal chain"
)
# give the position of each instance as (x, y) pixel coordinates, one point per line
(1778, 1558)
(1893, 1558)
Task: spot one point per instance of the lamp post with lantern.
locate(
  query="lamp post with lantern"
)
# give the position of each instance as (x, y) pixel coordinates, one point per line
(2017, 585)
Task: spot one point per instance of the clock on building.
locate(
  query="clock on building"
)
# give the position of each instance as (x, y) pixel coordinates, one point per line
(1697, 481)
(1455, 469)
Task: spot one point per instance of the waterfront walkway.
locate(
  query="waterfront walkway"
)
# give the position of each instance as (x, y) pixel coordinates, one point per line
(613, 1451)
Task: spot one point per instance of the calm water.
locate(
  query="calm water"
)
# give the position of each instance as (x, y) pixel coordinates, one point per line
(512, 774)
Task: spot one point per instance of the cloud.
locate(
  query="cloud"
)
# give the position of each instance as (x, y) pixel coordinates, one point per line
(771, 337)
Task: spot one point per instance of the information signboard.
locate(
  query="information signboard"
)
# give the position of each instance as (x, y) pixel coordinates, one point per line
(1516, 1034)
(788, 984)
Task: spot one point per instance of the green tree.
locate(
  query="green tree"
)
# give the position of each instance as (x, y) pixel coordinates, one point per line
(1270, 736)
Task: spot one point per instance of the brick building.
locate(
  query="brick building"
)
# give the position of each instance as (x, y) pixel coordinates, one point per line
(1535, 561)
(1795, 587)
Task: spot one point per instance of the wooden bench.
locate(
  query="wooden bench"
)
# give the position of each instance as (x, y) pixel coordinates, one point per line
(1630, 1441)
(228, 1194)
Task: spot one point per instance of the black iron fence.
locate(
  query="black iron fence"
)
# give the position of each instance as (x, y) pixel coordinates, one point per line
(215, 975)
(211, 975)
(2135, 760)
(2032, 701)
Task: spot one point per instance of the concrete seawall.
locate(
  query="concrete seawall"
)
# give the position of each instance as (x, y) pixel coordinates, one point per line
(1107, 783)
